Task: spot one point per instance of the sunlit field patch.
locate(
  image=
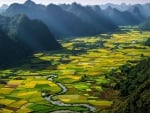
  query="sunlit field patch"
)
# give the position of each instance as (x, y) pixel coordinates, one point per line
(17, 82)
(6, 101)
(6, 91)
(27, 94)
(71, 98)
(18, 104)
(24, 110)
(6, 111)
(101, 103)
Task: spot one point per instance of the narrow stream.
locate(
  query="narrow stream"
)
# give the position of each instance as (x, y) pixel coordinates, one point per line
(60, 103)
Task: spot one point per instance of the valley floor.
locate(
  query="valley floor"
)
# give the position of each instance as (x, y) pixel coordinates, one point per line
(82, 67)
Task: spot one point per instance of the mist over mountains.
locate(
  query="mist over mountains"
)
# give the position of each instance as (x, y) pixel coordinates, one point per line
(144, 8)
(71, 20)
(3, 8)
(64, 23)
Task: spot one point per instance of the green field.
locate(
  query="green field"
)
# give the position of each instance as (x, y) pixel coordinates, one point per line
(82, 66)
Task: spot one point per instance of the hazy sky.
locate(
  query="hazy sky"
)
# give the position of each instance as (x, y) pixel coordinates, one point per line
(85, 2)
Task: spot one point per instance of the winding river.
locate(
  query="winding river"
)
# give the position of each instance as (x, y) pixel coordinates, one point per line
(60, 103)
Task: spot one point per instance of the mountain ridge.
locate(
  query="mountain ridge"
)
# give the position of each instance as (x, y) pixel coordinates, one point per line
(62, 23)
(21, 37)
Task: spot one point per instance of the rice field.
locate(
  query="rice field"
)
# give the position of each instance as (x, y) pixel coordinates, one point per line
(81, 69)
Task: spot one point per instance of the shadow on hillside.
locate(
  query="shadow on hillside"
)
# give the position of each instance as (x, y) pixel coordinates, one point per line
(28, 64)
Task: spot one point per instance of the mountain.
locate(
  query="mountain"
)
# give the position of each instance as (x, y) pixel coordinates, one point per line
(121, 7)
(66, 23)
(143, 8)
(146, 8)
(103, 17)
(10, 50)
(63, 23)
(121, 18)
(138, 11)
(97, 21)
(21, 37)
(145, 25)
(72, 20)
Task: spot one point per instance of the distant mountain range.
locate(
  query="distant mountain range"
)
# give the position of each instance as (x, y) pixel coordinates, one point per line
(120, 7)
(63, 23)
(122, 18)
(21, 37)
(77, 20)
(143, 8)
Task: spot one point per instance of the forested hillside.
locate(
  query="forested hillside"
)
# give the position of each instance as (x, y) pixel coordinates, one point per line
(135, 87)
(21, 37)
